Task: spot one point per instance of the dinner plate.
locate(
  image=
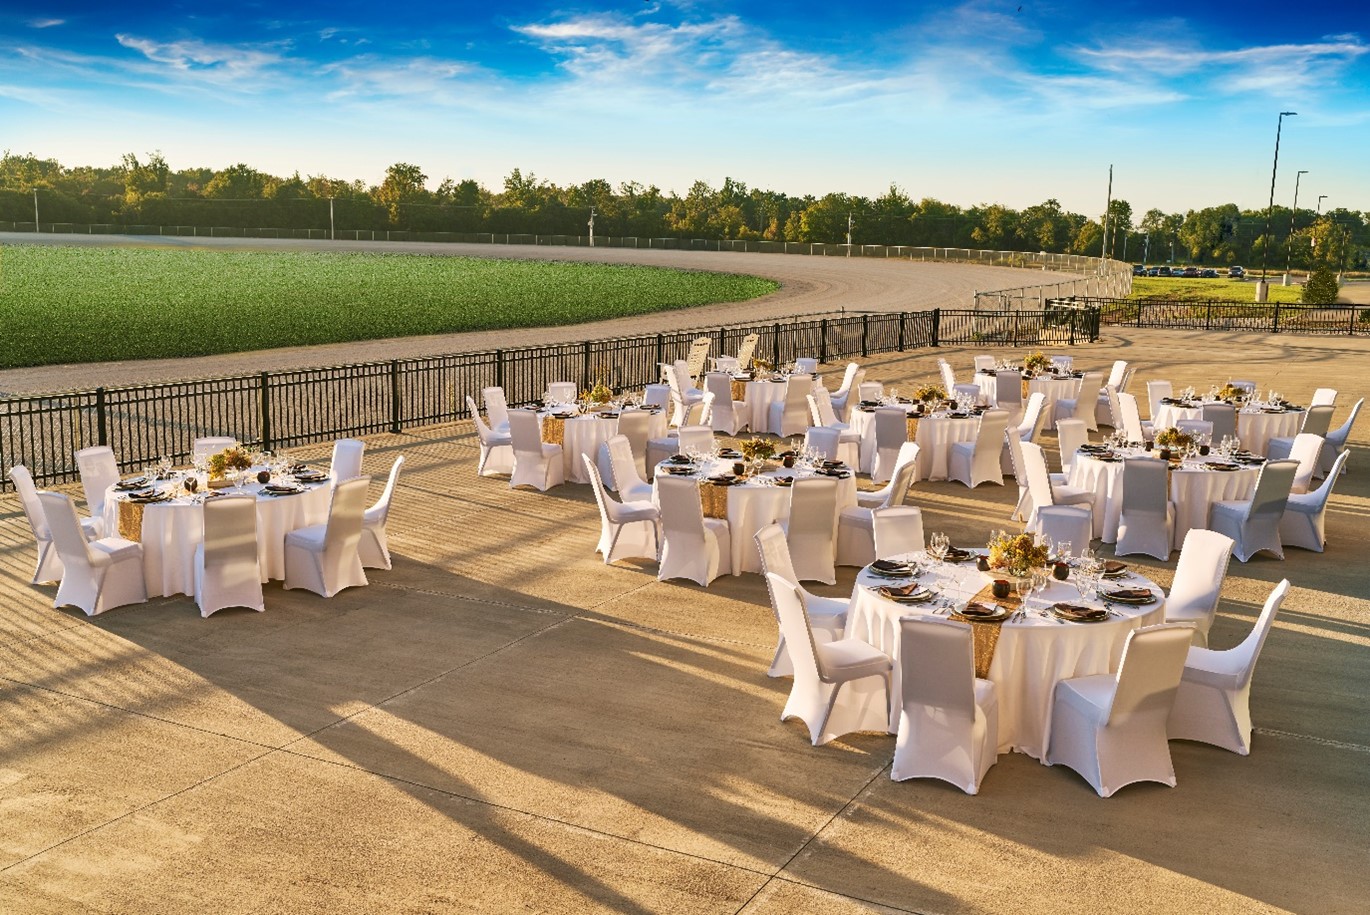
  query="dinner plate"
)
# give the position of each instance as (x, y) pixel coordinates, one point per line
(921, 596)
(956, 555)
(1114, 569)
(1076, 614)
(132, 483)
(983, 614)
(677, 471)
(893, 573)
(1129, 596)
(889, 565)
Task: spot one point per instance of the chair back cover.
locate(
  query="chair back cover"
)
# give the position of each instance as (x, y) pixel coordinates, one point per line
(1195, 427)
(1063, 362)
(891, 432)
(948, 376)
(795, 415)
(1149, 672)
(682, 512)
(989, 445)
(1247, 386)
(1035, 468)
(696, 438)
(905, 466)
(601, 497)
(848, 380)
(1338, 436)
(821, 402)
(775, 553)
(984, 362)
(1306, 450)
(28, 499)
(1155, 391)
(1199, 573)
(937, 660)
(1070, 435)
(1008, 389)
(1087, 400)
(1110, 394)
(65, 529)
(212, 444)
(719, 386)
(871, 390)
(1116, 374)
(794, 626)
(636, 427)
(523, 430)
(231, 535)
(1034, 417)
(1223, 418)
(1130, 417)
(561, 391)
(379, 513)
(343, 530)
(1323, 396)
(482, 430)
(496, 407)
(1145, 485)
(746, 349)
(99, 471)
(622, 464)
(812, 534)
(824, 440)
(1249, 651)
(1272, 491)
(1317, 420)
(347, 459)
(898, 530)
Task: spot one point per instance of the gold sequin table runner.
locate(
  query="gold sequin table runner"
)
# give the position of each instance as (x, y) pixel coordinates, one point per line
(986, 635)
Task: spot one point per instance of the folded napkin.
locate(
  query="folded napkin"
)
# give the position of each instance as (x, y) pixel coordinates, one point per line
(830, 472)
(900, 590)
(1129, 594)
(133, 483)
(889, 565)
(1079, 613)
(1219, 465)
(956, 554)
(678, 459)
(726, 479)
(977, 610)
(1113, 567)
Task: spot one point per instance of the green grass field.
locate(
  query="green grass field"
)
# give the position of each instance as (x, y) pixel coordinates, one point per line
(77, 304)
(1223, 289)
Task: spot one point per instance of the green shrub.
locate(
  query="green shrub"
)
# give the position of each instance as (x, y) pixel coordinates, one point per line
(1321, 288)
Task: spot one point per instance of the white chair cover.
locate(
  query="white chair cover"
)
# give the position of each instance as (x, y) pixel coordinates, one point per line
(324, 558)
(496, 449)
(977, 461)
(682, 394)
(848, 440)
(820, 668)
(728, 415)
(561, 391)
(375, 545)
(204, 447)
(696, 439)
(626, 529)
(1063, 362)
(898, 530)
(871, 390)
(891, 432)
(856, 525)
(790, 416)
(1083, 405)
(1156, 391)
(636, 427)
(1336, 439)
(1223, 418)
(841, 399)
(693, 546)
(827, 615)
(983, 363)
(806, 365)
(1323, 396)
(1147, 522)
(1106, 411)
(347, 460)
(1198, 581)
(99, 575)
(908, 454)
(1303, 524)
(1043, 491)
(497, 408)
(1112, 730)
(1131, 417)
(536, 463)
(949, 722)
(825, 441)
(1008, 393)
(1306, 450)
(1213, 704)
(1065, 523)
(1247, 386)
(627, 483)
(1255, 525)
(227, 572)
(99, 471)
(1034, 417)
(49, 567)
(1200, 427)
(1316, 421)
(811, 529)
(949, 379)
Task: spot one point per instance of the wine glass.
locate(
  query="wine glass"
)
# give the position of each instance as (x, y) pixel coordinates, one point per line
(1063, 549)
(938, 544)
(1041, 578)
(1022, 586)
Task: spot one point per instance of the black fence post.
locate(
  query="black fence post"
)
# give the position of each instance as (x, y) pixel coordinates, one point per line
(101, 437)
(1140, 306)
(1208, 316)
(499, 369)
(395, 408)
(776, 360)
(265, 401)
(585, 368)
(1275, 325)
(903, 318)
(1072, 327)
(865, 335)
(660, 353)
(936, 327)
(822, 341)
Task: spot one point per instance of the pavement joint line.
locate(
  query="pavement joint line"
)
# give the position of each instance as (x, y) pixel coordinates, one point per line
(1324, 741)
(476, 600)
(40, 635)
(863, 899)
(816, 833)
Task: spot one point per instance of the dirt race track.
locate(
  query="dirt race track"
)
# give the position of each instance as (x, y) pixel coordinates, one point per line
(808, 284)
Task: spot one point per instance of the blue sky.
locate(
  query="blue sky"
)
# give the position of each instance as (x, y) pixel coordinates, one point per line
(972, 102)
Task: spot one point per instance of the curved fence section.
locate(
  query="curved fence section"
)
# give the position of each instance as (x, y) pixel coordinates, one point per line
(1274, 318)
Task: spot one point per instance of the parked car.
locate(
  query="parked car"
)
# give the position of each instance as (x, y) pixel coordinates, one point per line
(1237, 272)
(1139, 269)
(1208, 273)
(1191, 271)
(1163, 271)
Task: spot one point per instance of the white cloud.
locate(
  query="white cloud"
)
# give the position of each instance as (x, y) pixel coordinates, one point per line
(368, 76)
(235, 66)
(45, 23)
(1259, 68)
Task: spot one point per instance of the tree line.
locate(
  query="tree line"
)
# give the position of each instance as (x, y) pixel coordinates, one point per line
(147, 191)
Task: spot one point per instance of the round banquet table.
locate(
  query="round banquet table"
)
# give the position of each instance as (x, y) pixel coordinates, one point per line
(588, 434)
(1052, 387)
(1193, 488)
(170, 531)
(937, 432)
(759, 395)
(1256, 426)
(1031, 656)
(750, 506)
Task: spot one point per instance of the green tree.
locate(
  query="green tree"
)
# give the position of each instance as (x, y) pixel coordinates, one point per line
(404, 183)
(238, 182)
(143, 178)
(1321, 288)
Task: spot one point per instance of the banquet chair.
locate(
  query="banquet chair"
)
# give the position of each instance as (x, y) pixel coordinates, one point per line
(1131, 418)
(820, 668)
(841, 399)
(347, 460)
(1198, 582)
(1070, 435)
(1065, 523)
(213, 444)
(823, 440)
(983, 363)
(694, 360)
(1008, 393)
(1082, 406)
(1316, 421)
(1044, 492)
(97, 575)
(1034, 418)
(693, 546)
(977, 461)
(870, 391)
(1111, 729)
(1223, 418)
(1248, 386)
(848, 440)
(658, 449)
(806, 366)
(1104, 408)
(1303, 523)
(536, 463)
(790, 416)
(1306, 450)
(656, 395)
(627, 483)
(1022, 509)
(497, 408)
(99, 471)
(1198, 427)
(856, 525)
(561, 392)
(324, 558)
(1323, 397)
(1063, 363)
(1254, 524)
(49, 567)
(496, 448)
(634, 518)
(1335, 442)
(683, 395)
(949, 718)
(1147, 521)
(698, 439)
(949, 381)
(374, 546)
(1156, 391)
(636, 427)
(811, 529)
(891, 432)
(1213, 704)
(827, 615)
(1107, 412)
(227, 570)
(908, 454)
(726, 415)
(897, 530)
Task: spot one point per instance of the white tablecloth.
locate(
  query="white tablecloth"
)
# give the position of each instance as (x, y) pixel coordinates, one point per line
(1050, 386)
(936, 434)
(172, 530)
(759, 397)
(1255, 427)
(752, 506)
(1032, 656)
(587, 435)
(1193, 489)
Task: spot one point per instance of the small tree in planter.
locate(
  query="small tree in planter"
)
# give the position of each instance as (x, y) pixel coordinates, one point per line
(1321, 288)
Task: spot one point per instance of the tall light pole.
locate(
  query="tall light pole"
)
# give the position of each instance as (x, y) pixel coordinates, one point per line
(1321, 198)
(850, 224)
(1262, 287)
(592, 227)
(1293, 214)
(332, 234)
(1103, 247)
(35, 211)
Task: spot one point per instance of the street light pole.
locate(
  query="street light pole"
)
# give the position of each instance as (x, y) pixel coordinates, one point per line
(592, 227)
(1262, 287)
(332, 233)
(36, 230)
(1293, 214)
(1321, 198)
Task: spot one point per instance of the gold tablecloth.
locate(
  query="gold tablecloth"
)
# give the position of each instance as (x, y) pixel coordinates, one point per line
(986, 635)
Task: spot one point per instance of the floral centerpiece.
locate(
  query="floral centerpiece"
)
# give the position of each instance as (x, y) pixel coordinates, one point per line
(1173, 438)
(762, 365)
(757, 449)
(1036, 362)
(221, 462)
(598, 393)
(1229, 392)
(1016, 554)
(929, 393)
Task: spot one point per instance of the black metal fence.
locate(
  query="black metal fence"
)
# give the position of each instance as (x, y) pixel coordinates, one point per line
(275, 410)
(1272, 318)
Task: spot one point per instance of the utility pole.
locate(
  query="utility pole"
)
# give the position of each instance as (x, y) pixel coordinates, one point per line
(332, 233)
(1146, 253)
(592, 227)
(36, 230)
(1293, 214)
(849, 228)
(1263, 287)
(1103, 248)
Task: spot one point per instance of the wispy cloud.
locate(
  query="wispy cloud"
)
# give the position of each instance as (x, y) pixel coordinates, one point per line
(370, 76)
(1259, 68)
(223, 64)
(45, 23)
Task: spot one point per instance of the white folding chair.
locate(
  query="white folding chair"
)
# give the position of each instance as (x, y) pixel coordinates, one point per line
(897, 530)
(1045, 493)
(324, 558)
(1213, 704)
(827, 615)
(1083, 405)
(977, 461)
(561, 392)
(1147, 521)
(1254, 524)
(693, 546)
(1112, 729)
(728, 416)
(790, 415)
(204, 447)
(1198, 581)
(49, 567)
(375, 545)
(810, 530)
(627, 483)
(97, 575)
(908, 454)
(624, 527)
(1303, 523)
(497, 408)
(949, 718)
(496, 449)
(820, 668)
(99, 471)
(856, 525)
(227, 570)
(891, 432)
(347, 460)
(536, 463)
